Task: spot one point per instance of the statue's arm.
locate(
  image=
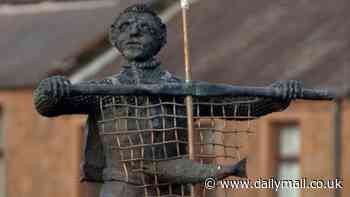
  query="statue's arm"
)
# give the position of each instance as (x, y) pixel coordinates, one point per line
(52, 98)
(184, 171)
(290, 90)
(245, 108)
(264, 106)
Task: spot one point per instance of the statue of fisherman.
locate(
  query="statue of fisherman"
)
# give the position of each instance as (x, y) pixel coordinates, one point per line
(139, 34)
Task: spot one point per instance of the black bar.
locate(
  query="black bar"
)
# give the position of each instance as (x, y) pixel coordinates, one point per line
(338, 119)
(195, 89)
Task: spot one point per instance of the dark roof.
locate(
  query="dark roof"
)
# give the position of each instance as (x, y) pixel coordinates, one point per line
(235, 42)
(16, 2)
(245, 43)
(33, 45)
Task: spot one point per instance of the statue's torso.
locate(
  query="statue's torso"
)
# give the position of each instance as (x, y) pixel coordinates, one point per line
(138, 129)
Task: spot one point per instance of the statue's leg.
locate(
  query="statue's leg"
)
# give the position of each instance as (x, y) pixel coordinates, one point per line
(120, 189)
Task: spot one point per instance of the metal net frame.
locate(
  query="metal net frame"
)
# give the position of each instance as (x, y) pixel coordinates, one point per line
(222, 135)
(148, 129)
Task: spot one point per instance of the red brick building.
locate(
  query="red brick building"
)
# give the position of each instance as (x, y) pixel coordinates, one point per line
(242, 43)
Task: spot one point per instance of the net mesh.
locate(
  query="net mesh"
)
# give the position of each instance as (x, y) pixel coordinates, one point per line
(140, 129)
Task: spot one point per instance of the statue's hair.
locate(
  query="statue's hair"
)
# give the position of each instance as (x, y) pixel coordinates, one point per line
(140, 9)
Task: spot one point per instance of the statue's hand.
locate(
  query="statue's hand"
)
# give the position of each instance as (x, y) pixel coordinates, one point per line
(56, 87)
(290, 89)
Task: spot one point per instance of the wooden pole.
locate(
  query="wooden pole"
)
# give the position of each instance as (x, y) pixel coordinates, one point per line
(188, 79)
(189, 102)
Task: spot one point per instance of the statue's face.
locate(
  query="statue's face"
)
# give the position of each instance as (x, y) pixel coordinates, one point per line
(137, 36)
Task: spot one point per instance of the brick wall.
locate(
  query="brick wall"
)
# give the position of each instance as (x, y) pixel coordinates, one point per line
(42, 154)
(315, 121)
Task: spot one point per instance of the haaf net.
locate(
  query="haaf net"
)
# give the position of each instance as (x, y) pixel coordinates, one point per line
(148, 129)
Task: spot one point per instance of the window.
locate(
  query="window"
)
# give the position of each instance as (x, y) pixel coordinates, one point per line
(2, 160)
(288, 167)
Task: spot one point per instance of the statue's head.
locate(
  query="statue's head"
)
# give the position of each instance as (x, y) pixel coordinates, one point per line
(138, 33)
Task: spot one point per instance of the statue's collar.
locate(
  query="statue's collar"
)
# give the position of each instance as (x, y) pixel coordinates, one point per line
(149, 64)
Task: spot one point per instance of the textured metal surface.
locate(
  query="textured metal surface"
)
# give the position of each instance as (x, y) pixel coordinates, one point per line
(137, 139)
(142, 130)
(198, 89)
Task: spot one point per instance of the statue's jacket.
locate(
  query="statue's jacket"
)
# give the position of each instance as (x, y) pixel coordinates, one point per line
(102, 166)
(101, 156)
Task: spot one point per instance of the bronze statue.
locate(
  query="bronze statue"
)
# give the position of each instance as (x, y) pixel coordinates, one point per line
(126, 162)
